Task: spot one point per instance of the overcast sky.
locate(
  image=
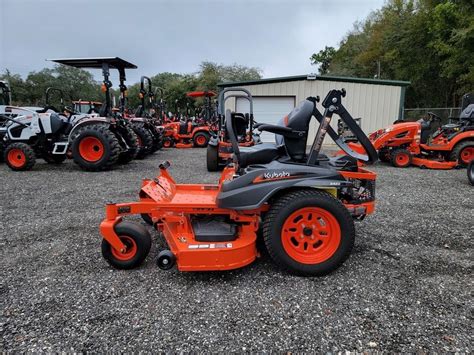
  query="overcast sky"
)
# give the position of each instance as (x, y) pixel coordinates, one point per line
(176, 35)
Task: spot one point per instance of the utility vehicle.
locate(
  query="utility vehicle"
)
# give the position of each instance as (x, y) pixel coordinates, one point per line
(304, 204)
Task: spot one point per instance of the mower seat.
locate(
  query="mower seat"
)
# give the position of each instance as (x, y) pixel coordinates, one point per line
(259, 154)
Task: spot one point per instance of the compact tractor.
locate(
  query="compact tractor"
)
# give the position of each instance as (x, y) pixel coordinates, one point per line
(302, 204)
(187, 132)
(219, 150)
(413, 143)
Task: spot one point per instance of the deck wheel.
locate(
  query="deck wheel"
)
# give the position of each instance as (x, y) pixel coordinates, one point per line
(401, 158)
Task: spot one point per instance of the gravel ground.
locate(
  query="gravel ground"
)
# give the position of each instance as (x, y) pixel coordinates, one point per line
(406, 287)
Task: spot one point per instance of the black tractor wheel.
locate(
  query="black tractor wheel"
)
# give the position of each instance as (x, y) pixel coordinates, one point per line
(463, 152)
(401, 158)
(201, 139)
(384, 155)
(19, 156)
(157, 141)
(95, 148)
(308, 232)
(212, 158)
(132, 149)
(168, 142)
(145, 140)
(470, 172)
(138, 242)
(54, 158)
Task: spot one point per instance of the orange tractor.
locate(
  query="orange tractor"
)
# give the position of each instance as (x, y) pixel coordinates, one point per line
(412, 143)
(189, 132)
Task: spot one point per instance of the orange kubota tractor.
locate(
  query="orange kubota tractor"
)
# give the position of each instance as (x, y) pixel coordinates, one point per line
(189, 132)
(413, 143)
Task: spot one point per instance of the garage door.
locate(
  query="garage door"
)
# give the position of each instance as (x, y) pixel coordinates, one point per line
(267, 110)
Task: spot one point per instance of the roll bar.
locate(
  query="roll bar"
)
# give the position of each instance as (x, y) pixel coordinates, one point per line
(221, 100)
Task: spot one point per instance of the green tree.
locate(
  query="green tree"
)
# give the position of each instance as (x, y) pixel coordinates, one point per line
(323, 58)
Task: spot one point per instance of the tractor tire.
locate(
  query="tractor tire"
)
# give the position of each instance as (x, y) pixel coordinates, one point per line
(19, 156)
(95, 148)
(145, 140)
(384, 155)
(131, 140)
(463, 152)
(212, 158)
(138, 242)
(401, 158)
(168, 142)
(470, 172)
(201, 139)
(54, 158)
(308, 232)
(157, 141)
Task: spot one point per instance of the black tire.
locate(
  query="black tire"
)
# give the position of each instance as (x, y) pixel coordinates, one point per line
(157, 141)
(54, 158)
(137, 238)
(292, 202)
(145, 138)
(108, 140)
(201, 139)
(470, 172)
(457, 152)
(384, 156)
(168, 140)
(401, 158)
(212, 158)
(19, 156)
(131, 140)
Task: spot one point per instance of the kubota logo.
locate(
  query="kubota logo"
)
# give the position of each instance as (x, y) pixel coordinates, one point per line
(276, 175)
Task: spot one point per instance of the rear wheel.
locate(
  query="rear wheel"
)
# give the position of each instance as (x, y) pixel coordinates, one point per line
(20, 156)
(145, 140)
(137, 241)
(470, 172)
(463, 152)
(212, 158)
(401, 158)
(132, 148)
(201, 139)
(95, 148)
(308, 232)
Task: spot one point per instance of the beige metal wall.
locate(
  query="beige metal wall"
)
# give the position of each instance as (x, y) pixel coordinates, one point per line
(378, 105)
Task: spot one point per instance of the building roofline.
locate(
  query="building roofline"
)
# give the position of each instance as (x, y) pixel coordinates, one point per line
(317, 77)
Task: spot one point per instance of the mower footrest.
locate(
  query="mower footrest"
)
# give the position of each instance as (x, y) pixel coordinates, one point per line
(211, 230)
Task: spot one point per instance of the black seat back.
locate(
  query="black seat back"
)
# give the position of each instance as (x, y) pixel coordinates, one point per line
(298, 120)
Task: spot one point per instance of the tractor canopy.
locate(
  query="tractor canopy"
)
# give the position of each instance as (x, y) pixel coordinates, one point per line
(96, 63)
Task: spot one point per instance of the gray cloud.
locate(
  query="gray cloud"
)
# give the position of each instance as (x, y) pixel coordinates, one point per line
(175, 36)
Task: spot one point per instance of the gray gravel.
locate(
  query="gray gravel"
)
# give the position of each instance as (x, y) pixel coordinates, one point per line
(406, 287)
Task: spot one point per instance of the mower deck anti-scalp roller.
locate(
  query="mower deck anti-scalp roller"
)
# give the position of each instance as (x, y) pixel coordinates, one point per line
(304, 205)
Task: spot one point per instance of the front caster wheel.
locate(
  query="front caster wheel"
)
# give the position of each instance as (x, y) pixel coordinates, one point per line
(137, 241)
(166, 260)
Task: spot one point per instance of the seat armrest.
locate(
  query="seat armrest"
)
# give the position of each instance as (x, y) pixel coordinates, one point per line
(281, 130)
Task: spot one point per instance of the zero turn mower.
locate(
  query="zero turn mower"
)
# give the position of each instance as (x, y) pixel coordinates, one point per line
(304, 204)
(219, 150)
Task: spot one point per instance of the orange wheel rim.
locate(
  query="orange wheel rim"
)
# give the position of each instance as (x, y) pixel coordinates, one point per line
(130, 251)
(466, 155)
(17, 158)
(166, 144)
(91, 149)
(402, 159)
(201, 140)
(311, 235)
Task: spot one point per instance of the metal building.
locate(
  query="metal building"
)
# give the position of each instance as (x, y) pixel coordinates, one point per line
(377, 102)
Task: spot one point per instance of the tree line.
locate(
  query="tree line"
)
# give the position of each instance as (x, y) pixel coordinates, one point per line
(80, 84)
(427, 42)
